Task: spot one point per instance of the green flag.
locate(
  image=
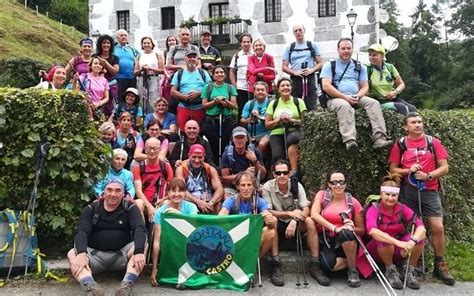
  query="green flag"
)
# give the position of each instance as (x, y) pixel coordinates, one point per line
(200, 251)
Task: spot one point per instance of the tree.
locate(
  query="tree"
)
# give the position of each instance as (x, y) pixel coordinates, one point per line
(71, 12)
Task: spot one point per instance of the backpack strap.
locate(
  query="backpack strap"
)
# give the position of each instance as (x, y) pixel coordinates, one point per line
(235, 61)
(370, 70)
(327, 199)
(292, 48)
(229, 151)
(309, 44)
(95, 208)
(252, 104)
(236, 208)
(350, 203)
(163, 170)
(180, 74)
(296, 101)
(203, 74)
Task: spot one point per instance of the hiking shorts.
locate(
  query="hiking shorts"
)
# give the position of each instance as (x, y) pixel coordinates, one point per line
(430, 201)
(101, 261)
(328, 254)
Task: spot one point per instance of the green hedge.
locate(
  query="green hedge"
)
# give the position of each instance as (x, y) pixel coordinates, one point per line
(30, 117)
(20, 72)
(322, 149)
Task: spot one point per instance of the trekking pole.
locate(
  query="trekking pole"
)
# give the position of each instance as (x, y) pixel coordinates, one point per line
(220, 137)
(421, 214)
(300, 264)
(43, 152)
(255, 211)
(409, 257)
(151, 231)
(383, 280)
(181, 138)
(285, 130)
(146, 86)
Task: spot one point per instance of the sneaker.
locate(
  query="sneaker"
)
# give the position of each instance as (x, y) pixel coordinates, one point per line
(277, 277)
(441, 272)
(353, 279)
(94, 290)
(125, 289)
(412, 278)
(382, 143)
(393, 277)
(351, 146)
(318, 274)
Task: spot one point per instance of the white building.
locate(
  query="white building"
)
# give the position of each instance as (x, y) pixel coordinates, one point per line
(325, 21)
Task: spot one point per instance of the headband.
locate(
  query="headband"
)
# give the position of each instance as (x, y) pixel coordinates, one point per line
(390, 189)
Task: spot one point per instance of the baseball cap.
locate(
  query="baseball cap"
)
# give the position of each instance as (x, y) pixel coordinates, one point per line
(191, 51)
(206, 32)
(377, 47)
(132, 90)
(196, 149)
(239, 131)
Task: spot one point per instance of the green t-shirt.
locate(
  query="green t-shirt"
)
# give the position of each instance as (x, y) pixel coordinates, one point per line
(285, 107)
(382, 82)
(218, 91)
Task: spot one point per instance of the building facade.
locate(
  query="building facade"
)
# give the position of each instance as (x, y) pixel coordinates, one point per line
(325, 21)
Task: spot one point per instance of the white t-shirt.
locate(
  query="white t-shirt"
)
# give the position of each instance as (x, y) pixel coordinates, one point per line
(242, 63)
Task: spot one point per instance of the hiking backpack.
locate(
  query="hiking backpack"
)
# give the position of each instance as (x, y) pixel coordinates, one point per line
(328, 198)
(210, 88)
(296, 101)
(370, 71)
(429, 146)
(180, 74)
(95, 206)
(229, 151)
(309, 46)
(164, 175)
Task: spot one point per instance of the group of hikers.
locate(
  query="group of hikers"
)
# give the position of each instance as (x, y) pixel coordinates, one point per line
(184, 140)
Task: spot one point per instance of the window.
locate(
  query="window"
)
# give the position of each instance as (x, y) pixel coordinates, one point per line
(123, 20)
(220, 33)
(218, 9)
(167, 18)
(327, 8)
(272, 11)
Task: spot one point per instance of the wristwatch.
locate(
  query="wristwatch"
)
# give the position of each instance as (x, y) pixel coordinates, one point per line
(414, 240)
(429, 177)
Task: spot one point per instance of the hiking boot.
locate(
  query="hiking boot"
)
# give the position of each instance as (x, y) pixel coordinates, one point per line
(277, 277)
(318, 274)
(412, 278)
(393, 277)
(441, 272)
(94, 290)
(353, 279)
(125, 289)
(351, 146)
(382, 143)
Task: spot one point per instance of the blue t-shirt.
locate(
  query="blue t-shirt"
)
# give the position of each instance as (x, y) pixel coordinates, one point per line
(299, 57)
(186, 208)
(240, 163)
(123, 174)
(191, 81)
(169, 119)
(349, 84)
(122, 141)
(245, 206)
(126, 55)
(261, 108)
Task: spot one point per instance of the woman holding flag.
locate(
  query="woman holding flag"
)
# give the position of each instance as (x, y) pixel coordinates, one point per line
(173, 203)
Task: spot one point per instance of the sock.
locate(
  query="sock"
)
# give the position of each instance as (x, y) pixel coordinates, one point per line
(439, 259)
(276, 258)
(314, 259)
(130, 278)
(87, 280)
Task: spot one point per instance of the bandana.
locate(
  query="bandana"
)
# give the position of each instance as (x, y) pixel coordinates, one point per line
(389, 189)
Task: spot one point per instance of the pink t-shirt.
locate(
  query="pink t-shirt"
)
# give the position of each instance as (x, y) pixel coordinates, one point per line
(419, 148)
(95, 86)
(390, 222)
(332, 211)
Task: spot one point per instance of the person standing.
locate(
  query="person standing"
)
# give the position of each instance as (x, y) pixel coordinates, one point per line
(126, 54)
(346, 83)
(301, 60)
(238, 70)
(210, 56)
(423, 160)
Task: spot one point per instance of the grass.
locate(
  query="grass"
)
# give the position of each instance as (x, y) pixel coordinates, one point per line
(460, 258)
(24, 34)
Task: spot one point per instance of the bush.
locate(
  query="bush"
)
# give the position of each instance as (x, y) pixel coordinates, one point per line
(20, 72)
(322, 149)
(31, 117)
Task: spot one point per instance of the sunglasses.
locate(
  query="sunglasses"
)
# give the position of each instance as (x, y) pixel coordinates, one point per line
(281, 173)
(340, 182)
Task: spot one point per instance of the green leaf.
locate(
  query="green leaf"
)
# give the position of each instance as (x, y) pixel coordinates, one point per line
(74, 176)
(34, 137)
(55, 151)
(28, 153)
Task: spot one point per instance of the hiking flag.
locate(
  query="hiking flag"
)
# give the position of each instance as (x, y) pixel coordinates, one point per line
(199, 251)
